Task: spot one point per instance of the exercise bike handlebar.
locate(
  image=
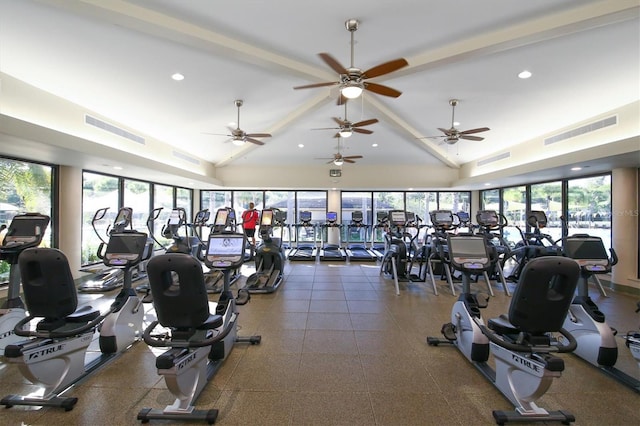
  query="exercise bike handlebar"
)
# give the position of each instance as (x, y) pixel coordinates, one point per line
(18, 330)
(159, 342)
(570, 346)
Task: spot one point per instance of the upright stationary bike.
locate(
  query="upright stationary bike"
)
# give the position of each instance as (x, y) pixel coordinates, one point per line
(25, 231)
(520, 342)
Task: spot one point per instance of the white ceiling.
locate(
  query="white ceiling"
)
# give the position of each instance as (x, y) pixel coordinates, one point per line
(116, 58)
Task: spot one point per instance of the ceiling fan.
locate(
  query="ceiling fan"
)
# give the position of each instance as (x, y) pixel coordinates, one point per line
(452, 135)
(347, 128)
(239, 136)
(338, 159)
(352, 80)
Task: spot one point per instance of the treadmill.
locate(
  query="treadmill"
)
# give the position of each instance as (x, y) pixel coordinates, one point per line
(358, 251)
(306, 249)
(332, 251)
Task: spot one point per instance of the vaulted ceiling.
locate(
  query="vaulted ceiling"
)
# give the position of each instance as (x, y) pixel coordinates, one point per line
(116, 59)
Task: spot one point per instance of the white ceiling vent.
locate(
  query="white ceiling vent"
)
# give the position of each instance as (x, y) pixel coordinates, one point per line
(591, 127)
(186, 157)
(493, 159)
(96, 122)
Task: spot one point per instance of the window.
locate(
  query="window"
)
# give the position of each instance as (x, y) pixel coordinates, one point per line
(25, 187)
(137, 195)
(162, 197)
(184, 199)
(548, 198)
(590, 207)
(490, 200)
(351, 202)
(214, 200)
(421, 203)
(98, 192)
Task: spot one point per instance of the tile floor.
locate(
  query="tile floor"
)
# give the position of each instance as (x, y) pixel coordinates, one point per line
(340, 348)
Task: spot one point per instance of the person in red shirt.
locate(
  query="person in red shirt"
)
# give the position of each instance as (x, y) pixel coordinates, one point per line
(249, 223)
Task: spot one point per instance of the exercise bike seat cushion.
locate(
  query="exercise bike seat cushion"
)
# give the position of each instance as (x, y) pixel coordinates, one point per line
(501, 325)
(83, 314)
(214, 321)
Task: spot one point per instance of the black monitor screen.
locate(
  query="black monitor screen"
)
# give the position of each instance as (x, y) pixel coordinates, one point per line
(380, 216)
(280, 216)
(487, 217)
(463, 216)
(332, 216)
(226, 245)
(267, 218)
(443, 217)
(398, 217)
(202, 216)
(537, 218)
(305, 216)
(467, 247)
(356, 216)
(221, 217)
(411, 217)
(28, 226)
(127, 243)
(585, 248)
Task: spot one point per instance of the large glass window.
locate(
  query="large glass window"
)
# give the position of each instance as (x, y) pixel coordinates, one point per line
(285, 201)
(454, 201)
(352, 202)
(214, 200)
(490, 200)
(421, 203)
(184, 199)
(24, 187)
(548, 198)
(590, 207)
(98, 192)
(162, 197)
(137, 195)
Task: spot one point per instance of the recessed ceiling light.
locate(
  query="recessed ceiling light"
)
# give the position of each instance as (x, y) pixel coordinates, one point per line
(525, 74)
(487, 184)
(375, 145)
(456, 123)
(117, 168)
(177, 77)
(300, 145)
(575, 169)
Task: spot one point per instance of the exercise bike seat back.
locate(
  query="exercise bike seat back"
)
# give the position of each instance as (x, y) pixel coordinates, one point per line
(49, 289)
(179, 292)
(544, 292)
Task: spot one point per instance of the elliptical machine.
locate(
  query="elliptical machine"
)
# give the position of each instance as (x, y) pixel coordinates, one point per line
(585, 322)
(395, 260)
(199, 342)
(520, 342)
(24, 231)
(269, 257)
(632, 341)
(53, 354)
(110, 278)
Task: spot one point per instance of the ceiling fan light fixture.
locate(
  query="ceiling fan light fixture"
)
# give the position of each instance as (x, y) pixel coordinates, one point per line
(238, 141)
(338, 161)
(352, 89)
(345, 133)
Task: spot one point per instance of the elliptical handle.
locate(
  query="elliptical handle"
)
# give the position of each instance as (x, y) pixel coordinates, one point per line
(614, 256)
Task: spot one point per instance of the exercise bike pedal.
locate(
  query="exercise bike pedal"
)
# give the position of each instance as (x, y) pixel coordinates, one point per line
(449, 331)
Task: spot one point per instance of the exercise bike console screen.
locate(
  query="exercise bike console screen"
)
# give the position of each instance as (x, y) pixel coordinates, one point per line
(26, 229)
(267, 218)
(398, 217)
(125, 248)
(225, 250)
(589, 252)
(488, 218)
(468, 251)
